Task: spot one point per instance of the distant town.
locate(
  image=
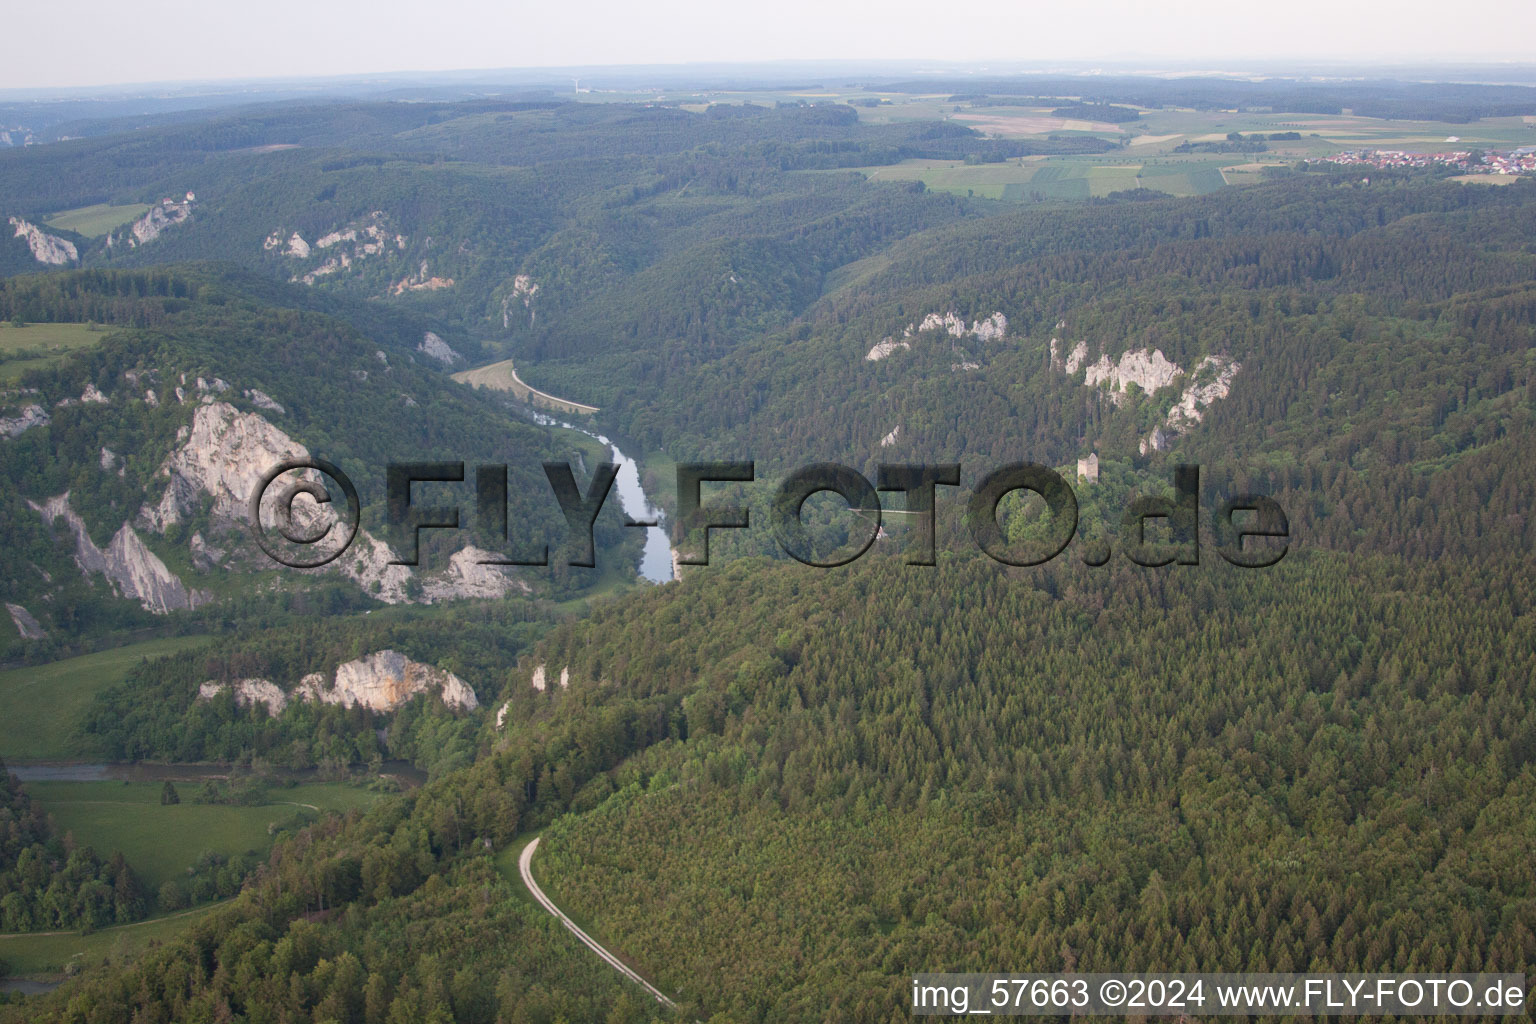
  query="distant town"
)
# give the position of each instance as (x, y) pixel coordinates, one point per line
(1519, 161)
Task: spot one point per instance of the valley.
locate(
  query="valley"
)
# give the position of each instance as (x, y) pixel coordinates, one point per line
(761, 791)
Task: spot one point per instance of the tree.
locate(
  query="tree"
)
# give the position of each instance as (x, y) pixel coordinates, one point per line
(168, 794)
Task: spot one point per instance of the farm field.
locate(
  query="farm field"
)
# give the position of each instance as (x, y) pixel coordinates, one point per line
(162, 842)
(40, 704)
(1036, 179)
(97, 219)
(45, 344)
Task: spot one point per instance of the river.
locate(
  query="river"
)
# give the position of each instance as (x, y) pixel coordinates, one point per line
(656, 559)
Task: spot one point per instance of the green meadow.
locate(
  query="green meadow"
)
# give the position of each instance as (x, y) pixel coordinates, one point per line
(43, 954)
(161, 842)
(40, 705)
(97, 219)
(35, 346)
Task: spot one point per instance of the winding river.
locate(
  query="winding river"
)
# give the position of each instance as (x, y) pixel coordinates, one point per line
(656, 560)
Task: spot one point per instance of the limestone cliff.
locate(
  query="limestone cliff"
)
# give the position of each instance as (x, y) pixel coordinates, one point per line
(384, 680)
(150, 226)
(46, 248)
(438, 349)
(132, 569)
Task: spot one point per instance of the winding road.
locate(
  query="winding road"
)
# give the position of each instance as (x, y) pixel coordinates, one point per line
(525, 868)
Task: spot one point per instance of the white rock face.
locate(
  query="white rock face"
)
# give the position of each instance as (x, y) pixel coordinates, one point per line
(26, 625)
(1159, 440)
(132, 569)
(1148, 370)
(262, 400)
(524, 288)
(1077, 357)
(467, 577)
(990, 328)
(46, 248)
(225, 456)
(501, 716)
(367, 563)
(1212, 381)
(538, 678)
(565, 677)
(438, 349)
(248, 692)
(384, 680)
(150, 226)
(91, 396)
(883, 348)
(31, 416)
(890, 439)
(297, 247)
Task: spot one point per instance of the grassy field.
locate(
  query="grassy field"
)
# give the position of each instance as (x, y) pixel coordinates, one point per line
(38, 345)
(40, 704)
(161, 842)
(50, 954)
(503, 377)
(92, 221)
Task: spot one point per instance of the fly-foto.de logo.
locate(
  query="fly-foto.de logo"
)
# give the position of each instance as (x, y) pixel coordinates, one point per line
(1248, 530)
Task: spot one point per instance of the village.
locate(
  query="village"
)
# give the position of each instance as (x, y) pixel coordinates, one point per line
(1519, 161)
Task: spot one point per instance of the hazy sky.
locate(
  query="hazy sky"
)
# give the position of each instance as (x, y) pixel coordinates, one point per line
(97, 42)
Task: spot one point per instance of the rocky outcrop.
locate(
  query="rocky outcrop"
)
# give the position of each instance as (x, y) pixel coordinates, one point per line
(890, 439)
(249, 692)
(130, 567)
(262, 400)
(1073, 360)
(1211, 381)
(420, 281)
(380, 682)
(150, 226)
(46, 248)
(524, 288)
(368, 563)
(469, 577)
(538, 678)
(31, 416)
(204, 555)
(883, 348)
(1148, 370)
(438, 349)
(26, 625)
(990, 328)
(384, 680)
(225, 455)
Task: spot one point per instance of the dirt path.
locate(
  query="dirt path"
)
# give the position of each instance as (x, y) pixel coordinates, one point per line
(524, 868)
(120, 927)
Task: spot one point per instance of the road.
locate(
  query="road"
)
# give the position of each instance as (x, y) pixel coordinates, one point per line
(524, 868)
